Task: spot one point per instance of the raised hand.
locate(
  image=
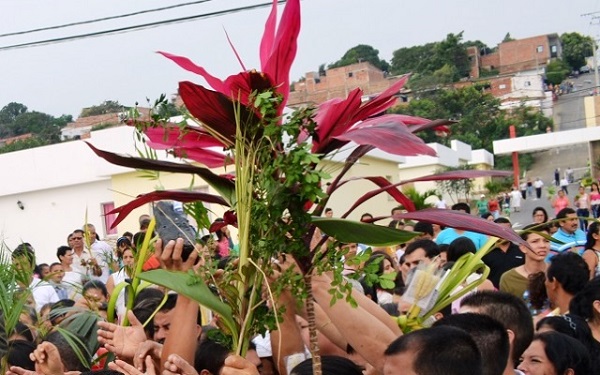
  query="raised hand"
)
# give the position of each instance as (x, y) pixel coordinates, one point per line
(170, 257)
(123, 341)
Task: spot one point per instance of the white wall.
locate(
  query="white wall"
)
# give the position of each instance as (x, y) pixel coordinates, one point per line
(49, 215)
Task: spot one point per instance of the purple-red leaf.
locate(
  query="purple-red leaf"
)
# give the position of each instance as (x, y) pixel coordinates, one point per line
(438, 125)
(333, 118)
(268, 38)
(241, 85)
(172, 136)
(463, 221)
(223, 185)
(237, 55)
(188, 65)
(210, 158)
(229, 218)
(176, 195)
(388, 134)
(284, 49)
(382, 101)
(384, 185)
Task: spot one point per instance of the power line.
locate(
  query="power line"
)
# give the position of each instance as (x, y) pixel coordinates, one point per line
(127, 29)
(102, 19)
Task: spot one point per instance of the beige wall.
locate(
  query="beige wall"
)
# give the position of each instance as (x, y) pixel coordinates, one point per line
(592, 110)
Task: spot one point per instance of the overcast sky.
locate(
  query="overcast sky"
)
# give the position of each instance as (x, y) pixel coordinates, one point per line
(63, 78)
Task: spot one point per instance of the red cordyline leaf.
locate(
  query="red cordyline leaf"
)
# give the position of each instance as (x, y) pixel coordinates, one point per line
(188, 65)
(172, 136)
(284, 48)
(333, 118)
(388, 134)
(210, 158)
(382, 101)
(241, 85)
(225, 186)
(383, 183)
(463, 221)
(176, 195)
(213, 109)
(229, 218)
(235, 52)
(437, 125)
(268, 38)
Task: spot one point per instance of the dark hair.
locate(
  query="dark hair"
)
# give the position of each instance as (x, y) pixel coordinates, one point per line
(536, 285)
(26, 251)
(371, 290)
(138, 239)
(328, 210)
(395, 224)
(439, 350)
(123, 240)
(594, 228)
(18, 354)
(571, 271)
(543, 210)
(489, 335)
(397, 208)
(391, 308)
(55, 264)
(509, 310)
(485, 215)
(424, 227)
(366, 214)
(564, 212)
(62, 251)
(330, 365)
(59, 310)
(144, 309)
(144, 224)
(22, 330)
(565, 352)
(502, 220)
(431, 248)
(210, 355)
(95, 284)
(461, 206)
(577, 328)
(525, 233)
(68, 354)
(459, 247)
(582, 304)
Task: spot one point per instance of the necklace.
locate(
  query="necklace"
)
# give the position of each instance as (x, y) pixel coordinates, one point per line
(527, 271)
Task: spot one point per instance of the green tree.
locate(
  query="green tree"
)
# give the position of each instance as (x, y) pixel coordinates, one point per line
(556, 71)
(451, 51)
(575, 48)
(411, 59)
(362, 52)
(108, 106)
(507, 38)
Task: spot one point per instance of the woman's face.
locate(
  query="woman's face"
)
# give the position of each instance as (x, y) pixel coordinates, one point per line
(387, 266)
(535, 362)
(128, 258)
(561, 193)
(94, 295)
(538, 217)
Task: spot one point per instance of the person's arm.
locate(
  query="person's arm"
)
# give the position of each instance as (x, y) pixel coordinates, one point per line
(591, 259)
(286, 340)
(110, 284)
(183, 334)
(369, 337)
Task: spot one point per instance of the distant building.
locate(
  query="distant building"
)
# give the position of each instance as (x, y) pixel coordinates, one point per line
(81, 128)
(7, 141)
(318, 87)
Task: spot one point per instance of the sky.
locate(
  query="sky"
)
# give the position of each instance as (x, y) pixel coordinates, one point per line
(63, 78)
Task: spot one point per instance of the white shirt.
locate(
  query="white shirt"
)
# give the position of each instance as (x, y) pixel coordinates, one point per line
(99, 251)
(441, 204)
(538, 184)
(43, 292)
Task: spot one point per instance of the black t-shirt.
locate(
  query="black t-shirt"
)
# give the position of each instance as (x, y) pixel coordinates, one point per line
(500, 261)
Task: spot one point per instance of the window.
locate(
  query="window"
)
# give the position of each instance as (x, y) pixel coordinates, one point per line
(527, 83)
(554, 49)
(317, 80)
(540, 49)
(350, 74)
(502, 86)
(109, 219)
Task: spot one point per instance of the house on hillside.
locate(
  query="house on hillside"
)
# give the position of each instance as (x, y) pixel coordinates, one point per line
(22, 137)
(81, 128)
(317, 87)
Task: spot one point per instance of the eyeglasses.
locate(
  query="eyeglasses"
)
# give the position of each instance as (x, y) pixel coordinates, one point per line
(77, 238)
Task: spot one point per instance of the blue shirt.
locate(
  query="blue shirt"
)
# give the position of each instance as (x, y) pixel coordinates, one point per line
(566, 238)
(449, 234)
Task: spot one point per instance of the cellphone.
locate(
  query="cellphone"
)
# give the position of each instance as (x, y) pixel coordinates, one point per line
(171, 225)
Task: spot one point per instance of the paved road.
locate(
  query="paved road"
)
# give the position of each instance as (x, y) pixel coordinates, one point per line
(568, 110)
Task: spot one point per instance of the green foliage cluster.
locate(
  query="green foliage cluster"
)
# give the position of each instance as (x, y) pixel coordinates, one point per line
(457, 190)
(360, 53)
(480, 119)
(575, 48)
(556, 71)
(16, 119)
(108, 106)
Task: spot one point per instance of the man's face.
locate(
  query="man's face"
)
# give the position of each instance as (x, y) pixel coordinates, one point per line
(329, 213)
(396, 214)
(401, 363)
(413, 259)
(57, 273)
(162, 324)
(77, 241)
(570, 223)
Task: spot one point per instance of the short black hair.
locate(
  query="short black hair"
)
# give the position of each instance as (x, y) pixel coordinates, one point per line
(459, 247)
(502, 220)
(489, 335)
(439, 350)
(564, 212)
(68, 355)
(508, 310)
(18, 354)
(210, 355)
(25, 250)
(95, 284)
(461, 206)
(330, 365)
(565, 352)
(328, 210)
(424, 227)
(582, 303)
(61, 251)
(430, 247)
(571, 271)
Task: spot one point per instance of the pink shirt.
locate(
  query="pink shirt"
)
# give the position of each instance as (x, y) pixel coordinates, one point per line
(560, 203)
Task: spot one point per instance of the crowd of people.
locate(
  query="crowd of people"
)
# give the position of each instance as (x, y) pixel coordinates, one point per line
(538, 312)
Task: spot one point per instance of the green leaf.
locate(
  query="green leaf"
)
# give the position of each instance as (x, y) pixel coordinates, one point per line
(349, 231)
(198, 291)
